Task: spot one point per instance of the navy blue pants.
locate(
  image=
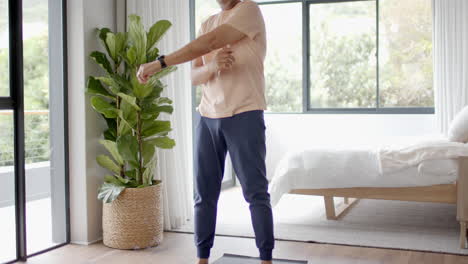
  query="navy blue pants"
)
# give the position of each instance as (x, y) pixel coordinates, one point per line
(243, 135)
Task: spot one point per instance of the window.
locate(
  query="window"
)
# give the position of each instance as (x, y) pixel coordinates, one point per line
(344, 56)
(405, 47)
(283, 62)
(33, 160)
(4, 49)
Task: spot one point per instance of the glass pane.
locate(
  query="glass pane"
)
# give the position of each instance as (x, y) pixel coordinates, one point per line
(342, 55)
(405, 53)
(7, 188)
(4, 42)
(44, 174)
(283, 63)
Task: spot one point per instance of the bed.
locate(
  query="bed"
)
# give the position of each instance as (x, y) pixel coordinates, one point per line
(432, 169)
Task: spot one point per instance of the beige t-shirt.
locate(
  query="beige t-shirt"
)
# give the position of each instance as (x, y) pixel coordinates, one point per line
(241, 88)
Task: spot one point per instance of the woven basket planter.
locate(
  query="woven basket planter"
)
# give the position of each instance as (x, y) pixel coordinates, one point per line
(135, 219)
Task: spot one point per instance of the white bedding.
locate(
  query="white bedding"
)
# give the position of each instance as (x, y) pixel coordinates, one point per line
(398, 165)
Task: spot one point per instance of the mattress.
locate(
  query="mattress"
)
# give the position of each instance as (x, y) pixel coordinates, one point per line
(332, 167)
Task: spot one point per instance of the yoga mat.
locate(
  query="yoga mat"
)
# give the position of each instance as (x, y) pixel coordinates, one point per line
(238, 259)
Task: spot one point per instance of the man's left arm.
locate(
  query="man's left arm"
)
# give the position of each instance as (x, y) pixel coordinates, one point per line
(247, 21)
(213, 40)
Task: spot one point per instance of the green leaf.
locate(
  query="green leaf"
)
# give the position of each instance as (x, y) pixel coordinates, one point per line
(130, 100)
(109, 135)
(162, 142)
(115, 44)
(128, 147)
(111, 146)
(165, 109)
(103, 35)
(122, 180)
(112, 179)
(95, 87)
(108, 192)
(152, 55)
(148, 152)
(141, 90)
(107, 163)
(101, 59)
(111, 45)
(133, 164)
(131, 56)
(123, 83)
(137, 37)
(163, 73)
(111, 122)
(163, 100)
(128, 114)
(148, 173)
(157, 87)
(104, 107)
(148, 116)
(111, 132)
(154, 109)
(131, 173)
(151, 128)
(111, 83)
(124, 127)
(156, 32)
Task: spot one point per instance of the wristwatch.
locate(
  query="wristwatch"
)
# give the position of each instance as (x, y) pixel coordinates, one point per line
(161, 60)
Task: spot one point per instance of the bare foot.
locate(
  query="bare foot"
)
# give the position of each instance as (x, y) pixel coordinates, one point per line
(267, 262)
(203, 261)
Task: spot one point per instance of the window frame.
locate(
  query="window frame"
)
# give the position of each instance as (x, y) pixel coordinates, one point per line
(306, 89)
(15, 102)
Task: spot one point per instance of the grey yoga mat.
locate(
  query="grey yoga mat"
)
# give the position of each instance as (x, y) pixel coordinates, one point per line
(238, 259)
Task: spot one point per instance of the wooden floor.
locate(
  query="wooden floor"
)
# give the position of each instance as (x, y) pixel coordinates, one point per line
(178, 248)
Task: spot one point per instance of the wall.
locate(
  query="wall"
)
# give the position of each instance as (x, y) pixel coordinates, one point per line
(85, 126)
(298, 131)
(284, 131)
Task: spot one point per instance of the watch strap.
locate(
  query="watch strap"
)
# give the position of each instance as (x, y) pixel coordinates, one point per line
(161, 60)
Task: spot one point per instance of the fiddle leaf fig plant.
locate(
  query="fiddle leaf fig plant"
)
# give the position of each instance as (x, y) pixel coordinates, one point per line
(131, 110)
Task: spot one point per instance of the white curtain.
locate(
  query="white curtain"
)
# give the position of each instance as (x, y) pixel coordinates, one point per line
(450, 59)
(174, 166)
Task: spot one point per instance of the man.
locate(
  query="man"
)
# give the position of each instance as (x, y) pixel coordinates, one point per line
(228, 58)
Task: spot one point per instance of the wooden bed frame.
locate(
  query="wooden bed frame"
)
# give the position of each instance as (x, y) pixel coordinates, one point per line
(456, 193)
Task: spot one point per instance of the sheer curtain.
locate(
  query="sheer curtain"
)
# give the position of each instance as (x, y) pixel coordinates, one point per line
(174, 166)
(450, 59)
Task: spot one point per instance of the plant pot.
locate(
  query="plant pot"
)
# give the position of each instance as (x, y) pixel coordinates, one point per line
(135, 219)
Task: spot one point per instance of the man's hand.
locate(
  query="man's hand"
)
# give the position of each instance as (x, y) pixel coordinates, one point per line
(223, 60)
(147, 70)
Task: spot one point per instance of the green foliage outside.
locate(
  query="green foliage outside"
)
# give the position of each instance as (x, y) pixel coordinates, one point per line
(406, 76)
(343, 68)
(36, 89)
(130, 109)
(36, 86)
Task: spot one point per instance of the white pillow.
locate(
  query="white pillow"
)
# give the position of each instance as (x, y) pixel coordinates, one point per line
(458, 129)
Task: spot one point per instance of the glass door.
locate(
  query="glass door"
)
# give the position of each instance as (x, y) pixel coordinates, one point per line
(33, 154)
(43, 125)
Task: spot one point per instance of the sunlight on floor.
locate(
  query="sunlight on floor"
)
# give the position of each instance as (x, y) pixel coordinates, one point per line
(233, 209)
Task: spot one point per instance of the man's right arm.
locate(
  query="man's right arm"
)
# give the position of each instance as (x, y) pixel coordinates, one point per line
(221, 61)
(201, 73)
